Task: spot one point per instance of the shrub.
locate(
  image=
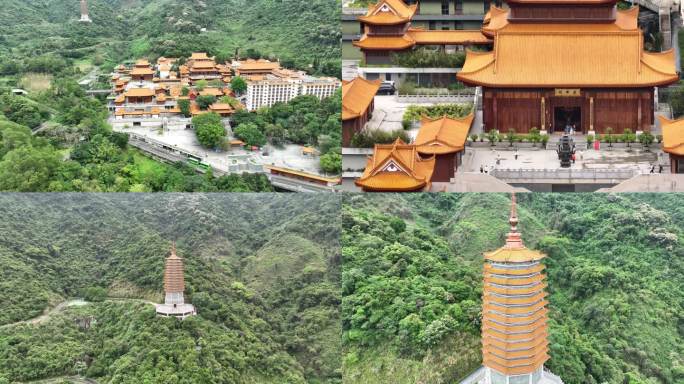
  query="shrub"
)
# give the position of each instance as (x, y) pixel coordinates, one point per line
(628, 137)
(646, 139)
(544, 140)
(368, 138)
(492, 136)
(590, 139)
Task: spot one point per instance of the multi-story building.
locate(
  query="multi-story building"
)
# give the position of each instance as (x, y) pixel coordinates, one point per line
(429, 15)
(268, 84)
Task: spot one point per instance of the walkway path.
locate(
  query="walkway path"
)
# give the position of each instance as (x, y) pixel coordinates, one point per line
(51, 311)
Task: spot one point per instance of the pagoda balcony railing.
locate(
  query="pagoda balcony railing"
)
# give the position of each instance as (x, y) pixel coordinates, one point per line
(558, 174)
(522, 265)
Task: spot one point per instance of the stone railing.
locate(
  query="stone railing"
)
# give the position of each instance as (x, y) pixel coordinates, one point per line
(474, 377)
(552, 378)
(463, 96)
(354, 11)
(564, 173)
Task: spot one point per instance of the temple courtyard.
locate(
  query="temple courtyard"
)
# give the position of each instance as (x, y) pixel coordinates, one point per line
(235, 159)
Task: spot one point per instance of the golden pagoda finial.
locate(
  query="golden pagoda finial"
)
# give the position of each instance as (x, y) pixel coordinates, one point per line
(173, 249)
(513, 239)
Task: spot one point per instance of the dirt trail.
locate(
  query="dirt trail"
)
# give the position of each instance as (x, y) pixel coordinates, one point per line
(49, 312)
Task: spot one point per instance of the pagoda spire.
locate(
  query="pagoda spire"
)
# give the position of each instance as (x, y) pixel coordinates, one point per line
(513, 239)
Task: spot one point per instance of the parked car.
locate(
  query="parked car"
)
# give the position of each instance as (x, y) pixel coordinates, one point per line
(387, 88)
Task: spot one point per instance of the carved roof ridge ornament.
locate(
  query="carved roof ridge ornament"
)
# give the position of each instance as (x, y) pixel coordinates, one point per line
(513, 238)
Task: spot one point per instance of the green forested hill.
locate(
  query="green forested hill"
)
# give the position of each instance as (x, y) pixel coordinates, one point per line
(302, 33)
(412, 284)
(255, 325)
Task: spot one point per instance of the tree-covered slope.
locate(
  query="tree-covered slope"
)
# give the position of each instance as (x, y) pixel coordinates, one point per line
(412, 284)
(302, 33)
(251, 328)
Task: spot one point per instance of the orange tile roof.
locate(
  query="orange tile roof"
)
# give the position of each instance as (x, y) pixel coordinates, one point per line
(396, 167)
(221, 107)
(384, 43)
(257, 65)
(673, 135)
(357, 96)
(120, 99)
(443, 135)
(389, 12)
(211, 92)
(139, 92)
(570, 55)
(199, 56)
(452, 37)
(161, 97)
(142, 63)
(568, 2)
(203, 65)
(333, 180)
(142, 71)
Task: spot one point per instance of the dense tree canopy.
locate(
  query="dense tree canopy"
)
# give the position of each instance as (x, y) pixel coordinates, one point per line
(412, 284)
(266, 290)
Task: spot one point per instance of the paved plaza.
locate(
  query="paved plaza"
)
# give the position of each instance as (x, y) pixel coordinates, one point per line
(289, 156)
(530, 158)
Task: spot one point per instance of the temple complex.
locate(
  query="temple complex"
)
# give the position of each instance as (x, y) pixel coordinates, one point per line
(174, 286)
(673, 142)
(577, 63)
(514, 314)
(146, 91)
(387, 29)
(357, 106)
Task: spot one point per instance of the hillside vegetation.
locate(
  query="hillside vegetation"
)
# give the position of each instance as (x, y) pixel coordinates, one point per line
(262, 270)
(412, 288)
(301, 33)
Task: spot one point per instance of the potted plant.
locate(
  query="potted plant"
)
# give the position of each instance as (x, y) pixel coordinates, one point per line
(646, 139)
(492, 136)
(534, 137)
(608, 138)
(544, 139)
(590, 140)
(628, 137)
(510, 137)
(473, 137)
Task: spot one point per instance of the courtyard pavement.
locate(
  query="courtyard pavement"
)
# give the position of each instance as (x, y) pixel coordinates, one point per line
(289, 157)
(605, 158)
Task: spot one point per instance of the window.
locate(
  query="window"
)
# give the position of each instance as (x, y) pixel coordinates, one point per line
(431, 26)
(680, 166)
(487, 5)
(445, 7)
(388, 77)
(458, 7)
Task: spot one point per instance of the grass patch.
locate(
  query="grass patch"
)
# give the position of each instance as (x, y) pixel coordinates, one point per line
(36, 82)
